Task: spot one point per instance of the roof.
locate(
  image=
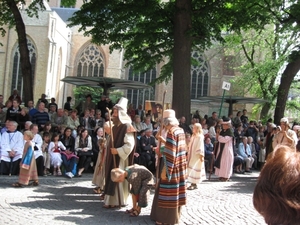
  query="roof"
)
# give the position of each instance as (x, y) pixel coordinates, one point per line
(65, 13)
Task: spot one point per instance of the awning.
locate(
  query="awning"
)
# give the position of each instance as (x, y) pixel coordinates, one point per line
(105, 82)
(230, 100)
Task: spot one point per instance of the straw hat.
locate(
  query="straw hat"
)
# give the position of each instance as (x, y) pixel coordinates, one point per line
(169, 113)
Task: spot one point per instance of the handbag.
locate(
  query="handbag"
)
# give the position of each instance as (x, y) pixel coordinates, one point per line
(83, 153)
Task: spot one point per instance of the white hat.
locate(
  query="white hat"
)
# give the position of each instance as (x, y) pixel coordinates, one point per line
(284, 120)
(122, 104)
(226, 120)
(122, 111)
(169, 113)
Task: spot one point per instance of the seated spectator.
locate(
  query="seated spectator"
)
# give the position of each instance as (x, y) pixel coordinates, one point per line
(8, 104)
(148, 123)
(253, 151)
(31, 109)
(148, 146)
(209, 153)
(5, 128)
(47, 128)
(52, 111)
(137, 124)
(238, 162)
(2, 117)
(87, 122)
(15, 96)
(12, 144)
(22, 117)
(38, 153)
(55, 148)
(41, 116)
(205, 130)
(42, 99)
(83, 147)
(58, 119)
(27, 125)
(73, 122)
(276, 195)
(184, 126)
(99, 120)
(131, 111)
(13, 112)
(245, 153)
(67, 105)
(138, 157)
(52, 103)
(46, 155)
(68, 156)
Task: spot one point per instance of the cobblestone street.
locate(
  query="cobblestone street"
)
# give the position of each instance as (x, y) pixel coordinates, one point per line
(59, 200)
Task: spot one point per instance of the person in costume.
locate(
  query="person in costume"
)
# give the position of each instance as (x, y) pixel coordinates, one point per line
(28, 170)
(12, 144)
(123, 137)
(139, 178)
(224, 155)
(286, 136)
(170, 193)
(195, 166)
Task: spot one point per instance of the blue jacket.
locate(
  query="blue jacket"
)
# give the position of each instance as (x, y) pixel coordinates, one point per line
(241, 151)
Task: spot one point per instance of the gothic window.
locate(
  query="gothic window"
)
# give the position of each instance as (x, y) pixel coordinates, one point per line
(17, 80)
(137, 97)
(91, 62)
(199, 76)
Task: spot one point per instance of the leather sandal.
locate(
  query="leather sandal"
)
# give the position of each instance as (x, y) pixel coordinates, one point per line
(129, 210)
(135, 213)
(17, 185)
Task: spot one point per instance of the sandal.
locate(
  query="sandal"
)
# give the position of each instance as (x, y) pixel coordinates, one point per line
(102, 197)
(129, 210)
(135, 213)
(59, 173)
(192, 187)
(17, 185)
(109, 206)
(97, 190)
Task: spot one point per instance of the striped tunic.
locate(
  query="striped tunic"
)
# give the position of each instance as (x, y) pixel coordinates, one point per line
(172, 187)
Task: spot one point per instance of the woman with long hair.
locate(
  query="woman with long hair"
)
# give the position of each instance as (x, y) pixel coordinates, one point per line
(83, 147)
(195, 166)
(68, 156)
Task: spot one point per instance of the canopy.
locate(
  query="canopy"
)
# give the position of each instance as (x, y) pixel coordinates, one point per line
(105, 82)
(231, 100)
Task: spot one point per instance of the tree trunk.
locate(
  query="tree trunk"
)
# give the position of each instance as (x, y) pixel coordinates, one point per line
(24, 52)
(181, 101)
(265, 110)
(286, 80)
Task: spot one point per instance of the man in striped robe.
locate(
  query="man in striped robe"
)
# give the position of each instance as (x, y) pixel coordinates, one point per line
(170, 193)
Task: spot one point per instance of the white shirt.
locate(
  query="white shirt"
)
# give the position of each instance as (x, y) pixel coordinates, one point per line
(12, 141)
(38, 141)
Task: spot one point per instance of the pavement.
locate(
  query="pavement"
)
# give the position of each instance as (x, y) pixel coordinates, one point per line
(63, 201)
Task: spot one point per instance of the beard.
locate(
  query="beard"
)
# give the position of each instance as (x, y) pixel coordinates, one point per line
(116, 120)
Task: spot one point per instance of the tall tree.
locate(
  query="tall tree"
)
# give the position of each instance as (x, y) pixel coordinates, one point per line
(153, 31)
(10, 15)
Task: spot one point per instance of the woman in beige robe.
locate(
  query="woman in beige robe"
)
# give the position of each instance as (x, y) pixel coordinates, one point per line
(196, 167)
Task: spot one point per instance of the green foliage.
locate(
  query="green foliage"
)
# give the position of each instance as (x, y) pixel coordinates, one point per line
(145, 29)
(82, 91)
(68, 3)
(6, 16)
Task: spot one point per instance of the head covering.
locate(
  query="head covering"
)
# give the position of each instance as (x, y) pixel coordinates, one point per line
(284, 120)
(169, 113)
(226, 120)
(122, 111)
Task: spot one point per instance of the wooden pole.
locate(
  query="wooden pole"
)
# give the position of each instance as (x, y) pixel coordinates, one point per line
(159, 145)
(114, 157)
